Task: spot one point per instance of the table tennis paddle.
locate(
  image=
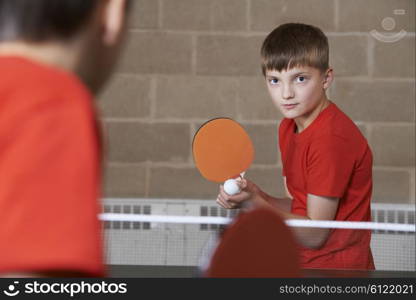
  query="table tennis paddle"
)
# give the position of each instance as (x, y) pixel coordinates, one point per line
(257, 244)
(222, 151)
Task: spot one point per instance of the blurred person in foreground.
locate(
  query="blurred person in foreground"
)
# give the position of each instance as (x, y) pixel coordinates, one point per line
(55, 55)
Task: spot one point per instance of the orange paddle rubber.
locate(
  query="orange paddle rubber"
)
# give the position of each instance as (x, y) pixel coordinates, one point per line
(222, 149)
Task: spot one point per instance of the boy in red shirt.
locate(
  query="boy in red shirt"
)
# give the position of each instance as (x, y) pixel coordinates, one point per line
(54, 55)
(327, 163)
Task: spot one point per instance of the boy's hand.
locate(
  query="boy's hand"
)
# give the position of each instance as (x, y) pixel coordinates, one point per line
(249, 195)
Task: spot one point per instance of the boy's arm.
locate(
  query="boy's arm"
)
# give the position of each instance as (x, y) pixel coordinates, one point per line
(318, 208)
(284, 204)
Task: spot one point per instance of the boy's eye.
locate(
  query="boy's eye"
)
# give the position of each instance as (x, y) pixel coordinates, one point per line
(301, 79)
(273, 81)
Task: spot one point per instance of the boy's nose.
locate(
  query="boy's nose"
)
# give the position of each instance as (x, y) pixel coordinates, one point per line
(287, 92)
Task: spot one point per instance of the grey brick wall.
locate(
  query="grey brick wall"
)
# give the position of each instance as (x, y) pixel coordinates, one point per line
(187, 61)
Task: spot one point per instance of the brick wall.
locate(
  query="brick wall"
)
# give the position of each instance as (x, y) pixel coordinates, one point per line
(191, 60)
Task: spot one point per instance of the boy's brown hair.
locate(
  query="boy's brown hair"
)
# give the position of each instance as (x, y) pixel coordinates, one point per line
(294, 44)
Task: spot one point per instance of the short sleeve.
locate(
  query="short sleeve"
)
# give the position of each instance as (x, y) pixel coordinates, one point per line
(282, 140)
(330, 163)
(49, 196)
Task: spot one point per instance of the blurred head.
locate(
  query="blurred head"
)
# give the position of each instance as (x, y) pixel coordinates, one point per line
(42, 20)
(93, 30)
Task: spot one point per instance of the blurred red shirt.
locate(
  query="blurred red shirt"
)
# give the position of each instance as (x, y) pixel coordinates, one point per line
(49, 171)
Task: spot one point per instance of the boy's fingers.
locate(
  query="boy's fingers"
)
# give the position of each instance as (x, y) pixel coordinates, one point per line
(228, 201)
(242, 183)
(223, 194)
(220, 202)
(223, 203)
(239, 198)
(220, 198)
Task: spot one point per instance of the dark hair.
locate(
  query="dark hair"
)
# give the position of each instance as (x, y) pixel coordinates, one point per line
(294, 44)
(40, 20)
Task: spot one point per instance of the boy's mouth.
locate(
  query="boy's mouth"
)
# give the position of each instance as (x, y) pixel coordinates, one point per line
(289, 106)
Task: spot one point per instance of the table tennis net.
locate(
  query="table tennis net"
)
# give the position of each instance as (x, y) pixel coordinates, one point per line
(158, 232)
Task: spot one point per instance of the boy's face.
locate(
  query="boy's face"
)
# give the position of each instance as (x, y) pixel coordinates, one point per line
(299, 93)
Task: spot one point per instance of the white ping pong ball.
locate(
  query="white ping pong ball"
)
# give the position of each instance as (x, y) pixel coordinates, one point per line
(231, 187)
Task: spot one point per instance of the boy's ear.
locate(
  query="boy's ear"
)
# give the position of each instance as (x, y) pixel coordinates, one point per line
(114, 14)
(328, 78)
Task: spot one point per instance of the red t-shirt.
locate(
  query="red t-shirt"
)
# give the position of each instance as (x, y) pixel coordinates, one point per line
(331, 158)
(49, 171)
